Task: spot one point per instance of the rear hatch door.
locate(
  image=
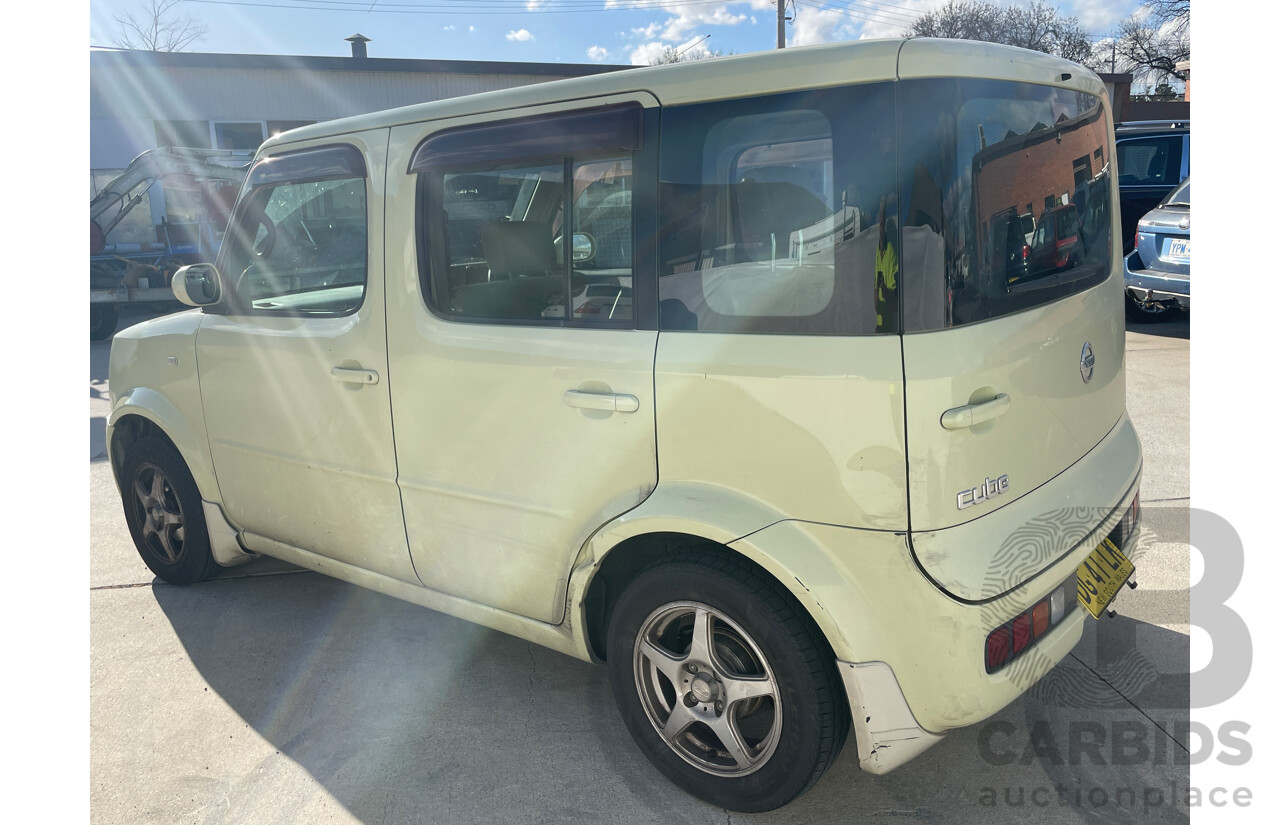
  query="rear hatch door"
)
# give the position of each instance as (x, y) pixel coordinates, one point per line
(1011, 376)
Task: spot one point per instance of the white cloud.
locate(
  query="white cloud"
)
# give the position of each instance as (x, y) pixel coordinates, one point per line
(647, 53)
(648, 32)
(471, 28)
(522, 35)
(820, 26)
(892, 22)
(534, 5)
(597, 53)
(685, 18)
(451, 28)
(682, 25)
(1099, 15)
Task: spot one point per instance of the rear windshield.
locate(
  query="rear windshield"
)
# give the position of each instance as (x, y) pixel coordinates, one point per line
(980, 161)
(1181, 196)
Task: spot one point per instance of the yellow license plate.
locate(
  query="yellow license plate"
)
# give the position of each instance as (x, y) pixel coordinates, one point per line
(1101, 575)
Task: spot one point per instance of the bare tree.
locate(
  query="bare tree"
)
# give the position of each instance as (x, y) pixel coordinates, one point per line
(1152, 42)
(673, 55)
(1039, 27)
(158, 28)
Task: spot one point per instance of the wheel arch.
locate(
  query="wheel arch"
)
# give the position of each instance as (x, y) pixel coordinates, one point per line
(615, 567)
(145, 412)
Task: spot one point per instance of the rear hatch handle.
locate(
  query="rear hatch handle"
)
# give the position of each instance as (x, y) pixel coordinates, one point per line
(959, 418)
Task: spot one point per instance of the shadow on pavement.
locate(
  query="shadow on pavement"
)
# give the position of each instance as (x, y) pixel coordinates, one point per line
(1179, 327)
(403, 714)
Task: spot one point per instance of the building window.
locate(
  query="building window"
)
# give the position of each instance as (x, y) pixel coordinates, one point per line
(243, 136)
(188, 133)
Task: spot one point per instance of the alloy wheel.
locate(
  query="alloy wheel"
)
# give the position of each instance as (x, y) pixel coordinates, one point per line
(707, 689)
(159, 513)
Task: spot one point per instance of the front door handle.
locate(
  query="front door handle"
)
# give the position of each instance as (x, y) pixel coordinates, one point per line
(611, 401)
(350, 375)
(970, 414)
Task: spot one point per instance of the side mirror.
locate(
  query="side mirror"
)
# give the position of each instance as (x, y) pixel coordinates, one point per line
(584, 247)
(197, 285)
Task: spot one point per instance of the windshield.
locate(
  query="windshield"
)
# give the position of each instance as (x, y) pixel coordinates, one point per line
(1180, 196)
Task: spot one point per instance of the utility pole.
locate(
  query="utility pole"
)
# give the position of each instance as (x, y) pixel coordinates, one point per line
(782, 24)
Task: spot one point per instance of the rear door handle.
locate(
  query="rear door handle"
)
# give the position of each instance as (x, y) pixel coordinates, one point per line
(349, 375)
(613, 402)
(959, 418)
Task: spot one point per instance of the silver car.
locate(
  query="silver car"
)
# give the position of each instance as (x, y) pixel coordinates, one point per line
(1157, 273)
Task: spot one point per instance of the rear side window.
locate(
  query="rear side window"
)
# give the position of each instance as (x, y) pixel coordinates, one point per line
(981, 161)
(531, 221)
(1150, 161)
(778, 214)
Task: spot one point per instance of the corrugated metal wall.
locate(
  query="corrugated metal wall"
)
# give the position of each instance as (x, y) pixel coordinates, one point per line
(124, 100)
(128, 92)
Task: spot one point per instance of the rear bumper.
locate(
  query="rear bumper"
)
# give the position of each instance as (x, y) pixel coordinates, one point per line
(1149, 285)
(932, 677)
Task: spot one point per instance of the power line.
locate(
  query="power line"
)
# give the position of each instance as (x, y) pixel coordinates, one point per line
(483, 7)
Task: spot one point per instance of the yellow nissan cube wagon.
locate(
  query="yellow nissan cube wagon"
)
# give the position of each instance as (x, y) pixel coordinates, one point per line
(745, 377)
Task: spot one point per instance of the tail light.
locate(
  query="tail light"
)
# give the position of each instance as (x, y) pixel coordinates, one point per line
(1026, 252)
(1014, 638)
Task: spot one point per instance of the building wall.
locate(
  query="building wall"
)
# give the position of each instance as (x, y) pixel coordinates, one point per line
(130, 91)
(125, 101)
(1028, 175)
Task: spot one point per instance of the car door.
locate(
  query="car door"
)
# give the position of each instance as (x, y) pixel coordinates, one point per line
(1149, 167)
(521, 341)
(293, 371)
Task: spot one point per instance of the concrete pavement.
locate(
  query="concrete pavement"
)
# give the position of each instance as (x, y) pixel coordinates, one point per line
(272, 695)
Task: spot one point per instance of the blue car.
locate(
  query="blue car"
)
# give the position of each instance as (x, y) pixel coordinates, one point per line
(1157, 273)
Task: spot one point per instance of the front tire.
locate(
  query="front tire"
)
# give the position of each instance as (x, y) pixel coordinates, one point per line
(724, 683)
(165, 514)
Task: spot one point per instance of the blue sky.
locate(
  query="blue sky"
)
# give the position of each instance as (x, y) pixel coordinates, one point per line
(569, 31)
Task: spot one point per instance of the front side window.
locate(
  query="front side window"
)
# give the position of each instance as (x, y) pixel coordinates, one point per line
(778, 214)
(298, 247)
(1007, 198)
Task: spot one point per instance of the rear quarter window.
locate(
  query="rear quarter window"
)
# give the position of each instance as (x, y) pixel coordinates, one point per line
(778, 214)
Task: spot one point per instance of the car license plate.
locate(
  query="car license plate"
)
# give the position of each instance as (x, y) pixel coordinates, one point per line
(1179, 248)
(1100, 576)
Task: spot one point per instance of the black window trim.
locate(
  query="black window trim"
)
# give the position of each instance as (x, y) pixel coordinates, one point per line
(614, 128)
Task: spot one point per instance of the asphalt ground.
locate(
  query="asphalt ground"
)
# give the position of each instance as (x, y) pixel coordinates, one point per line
(276, 695)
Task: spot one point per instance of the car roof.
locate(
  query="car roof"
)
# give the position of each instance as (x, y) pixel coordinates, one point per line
(1153, 127)
(746, 75)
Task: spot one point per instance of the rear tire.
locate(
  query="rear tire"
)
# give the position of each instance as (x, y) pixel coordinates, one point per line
(725, 684)
(165, 513)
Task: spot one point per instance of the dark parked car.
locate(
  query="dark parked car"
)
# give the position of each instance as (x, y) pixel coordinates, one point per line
(1157, 274)
(1152, 157)
(1056, 243)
